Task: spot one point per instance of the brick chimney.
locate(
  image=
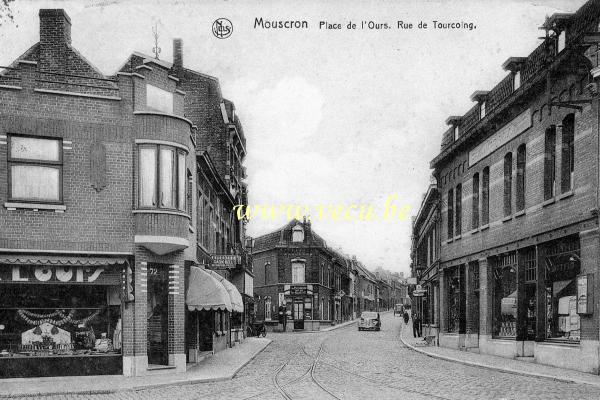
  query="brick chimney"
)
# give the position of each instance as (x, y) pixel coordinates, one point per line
(177, 55)
(55, 39)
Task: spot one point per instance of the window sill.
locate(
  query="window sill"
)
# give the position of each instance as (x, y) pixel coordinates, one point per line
(163, 114)
(474, 231)
(558, 342)
(154, 211)
(548, 202)
(449, 241)
(457, 237)
(484, 227)
(520, 213)
(566, 194)
(507, 218)
(12, 206)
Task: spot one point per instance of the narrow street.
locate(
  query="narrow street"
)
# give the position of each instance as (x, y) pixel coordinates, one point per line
(348, 364)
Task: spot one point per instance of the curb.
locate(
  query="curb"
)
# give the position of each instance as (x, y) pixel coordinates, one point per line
(500, 369)
(178, 382)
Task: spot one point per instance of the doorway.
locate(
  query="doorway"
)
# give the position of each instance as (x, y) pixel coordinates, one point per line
(298, 313)
(158, 314)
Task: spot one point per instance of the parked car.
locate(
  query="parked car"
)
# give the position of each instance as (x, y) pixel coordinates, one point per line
(399, 309)
(369, 320)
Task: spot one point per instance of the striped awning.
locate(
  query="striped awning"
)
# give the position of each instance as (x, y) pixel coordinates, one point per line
(237, 304)
(205, 292)
(61, 260)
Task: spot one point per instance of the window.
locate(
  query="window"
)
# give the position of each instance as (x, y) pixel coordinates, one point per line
(568, 153)
(268, 308)
(35, 169)
(450, 214)
(505, 296)
(561, 41)
(159, 99)
(267, 273)
(453, 295)
(298, 272)
(485, 196)
(458, 210)
(517, 80)
(521, 163)
(482, 110)
(162, 177)
(456, 132)
(297, 234)
(549, 162)
(508, 184)
(475, 206)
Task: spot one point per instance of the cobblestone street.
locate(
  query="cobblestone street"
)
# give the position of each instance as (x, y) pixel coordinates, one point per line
(348, 364)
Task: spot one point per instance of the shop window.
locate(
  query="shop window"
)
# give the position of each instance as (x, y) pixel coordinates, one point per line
(298, 269)
(162, 177)
(475, 204)
(549, 162)
(521, 165)
(458, 209)
(49, 312)
(568, 153)
(450, 214)
(505, 296)
(562, 268)
(159, 99)
(453, 296)
(485, 196)
(508, 184)
(35, 169)
(527, 261)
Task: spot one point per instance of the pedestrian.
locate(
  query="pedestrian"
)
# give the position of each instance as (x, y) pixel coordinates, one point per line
(405, 317)
(416, 325)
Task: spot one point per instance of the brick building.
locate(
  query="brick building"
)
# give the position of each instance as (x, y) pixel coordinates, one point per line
(99, 212)
(518, 181)
(425, 254)
(295, 269)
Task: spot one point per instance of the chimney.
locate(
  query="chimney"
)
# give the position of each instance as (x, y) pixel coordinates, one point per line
(177, 54)
(55, 38)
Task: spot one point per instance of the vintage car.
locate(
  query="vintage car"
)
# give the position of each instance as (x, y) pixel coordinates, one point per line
(399, 309)
(369, 320)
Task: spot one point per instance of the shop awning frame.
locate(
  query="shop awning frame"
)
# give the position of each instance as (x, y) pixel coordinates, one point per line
(237, 303)
(62, 260)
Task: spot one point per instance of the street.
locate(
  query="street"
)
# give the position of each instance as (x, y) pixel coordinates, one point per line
(348, 364)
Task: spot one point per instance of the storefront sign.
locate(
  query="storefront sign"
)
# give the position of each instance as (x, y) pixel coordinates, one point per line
(585, 303)
(298, 290)
(229, 261)
(59, 274)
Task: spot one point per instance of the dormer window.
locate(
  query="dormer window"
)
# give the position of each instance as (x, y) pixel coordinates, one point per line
(482, 110)
(456, 132)
(561, 41)
(516, 80)
(297, 234)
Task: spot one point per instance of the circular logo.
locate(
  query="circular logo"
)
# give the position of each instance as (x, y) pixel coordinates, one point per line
(222, 28)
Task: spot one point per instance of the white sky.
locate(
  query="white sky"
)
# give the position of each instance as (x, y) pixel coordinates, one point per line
(330, 117)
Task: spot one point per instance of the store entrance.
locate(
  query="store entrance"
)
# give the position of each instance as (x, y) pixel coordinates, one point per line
(158, 314)
(298, 313)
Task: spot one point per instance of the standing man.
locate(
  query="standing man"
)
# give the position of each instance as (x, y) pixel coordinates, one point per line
(416, 325)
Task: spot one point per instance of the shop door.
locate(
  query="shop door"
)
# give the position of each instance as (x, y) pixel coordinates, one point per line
(298, 314)
(157, 314)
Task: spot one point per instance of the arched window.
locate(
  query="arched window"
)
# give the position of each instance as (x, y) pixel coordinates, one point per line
(549, 162)
(521, 163)
(568, 153)
(508, 184)
(485, 196)
(458, 209)
(450, 214)
(475, 206)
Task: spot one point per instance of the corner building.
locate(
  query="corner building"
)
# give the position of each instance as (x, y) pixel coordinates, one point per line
(518, 177)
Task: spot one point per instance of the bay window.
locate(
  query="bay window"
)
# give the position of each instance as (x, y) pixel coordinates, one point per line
(35, 169)
(162, 177)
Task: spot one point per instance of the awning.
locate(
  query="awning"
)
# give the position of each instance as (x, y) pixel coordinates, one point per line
(62, 260)
(234, 295)
(205, 292)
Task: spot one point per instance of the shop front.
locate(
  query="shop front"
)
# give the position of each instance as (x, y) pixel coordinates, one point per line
(300, 297)
(213, 303)
(60, 316)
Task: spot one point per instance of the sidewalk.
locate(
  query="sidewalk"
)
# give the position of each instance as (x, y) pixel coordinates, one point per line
(221, 366)
(338, 326)
(502, 364)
